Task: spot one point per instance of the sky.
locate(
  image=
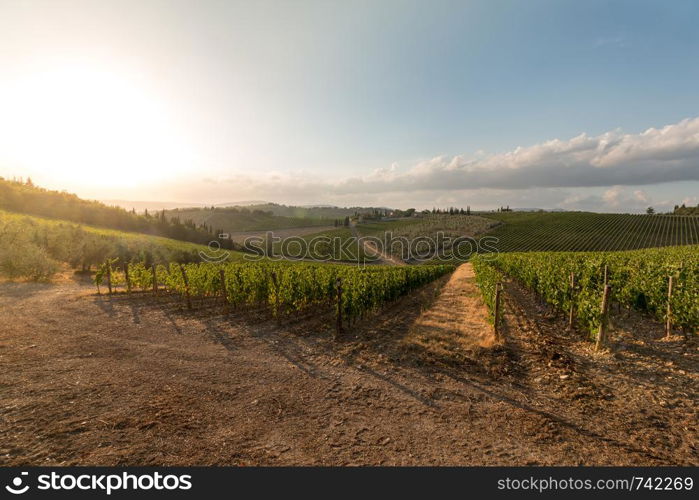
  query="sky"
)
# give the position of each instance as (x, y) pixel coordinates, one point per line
(554, 104)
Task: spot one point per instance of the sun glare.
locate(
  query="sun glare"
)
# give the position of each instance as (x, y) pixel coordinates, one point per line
(89, 127)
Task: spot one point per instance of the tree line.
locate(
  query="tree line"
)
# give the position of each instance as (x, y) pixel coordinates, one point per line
(451, 211)
(685, 210)
(24, 197)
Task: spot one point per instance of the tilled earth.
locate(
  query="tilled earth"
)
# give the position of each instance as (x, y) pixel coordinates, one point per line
(100, 380)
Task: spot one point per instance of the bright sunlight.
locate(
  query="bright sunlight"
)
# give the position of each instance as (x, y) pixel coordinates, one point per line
(87, 123)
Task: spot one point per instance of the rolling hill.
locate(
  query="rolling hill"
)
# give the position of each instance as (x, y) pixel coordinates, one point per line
(586, 231)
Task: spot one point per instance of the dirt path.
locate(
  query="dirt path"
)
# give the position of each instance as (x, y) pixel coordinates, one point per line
(88, 379)
(373, 251)
(458, 318)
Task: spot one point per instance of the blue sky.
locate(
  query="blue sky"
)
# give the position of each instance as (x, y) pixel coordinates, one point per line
(354, 102)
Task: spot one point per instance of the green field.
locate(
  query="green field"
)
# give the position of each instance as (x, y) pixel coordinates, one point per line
(551, 231)
(584, 231)
(340, 247)
(232, 220)
(306, 212)
(534, 231)
(379, 227)
(428, 226)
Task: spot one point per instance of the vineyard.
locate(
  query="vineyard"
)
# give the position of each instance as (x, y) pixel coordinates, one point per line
(36, 247)
(283, 288)
(243, 219)
(428, 225)
(337, 245)
(507, 232)
(582, 231)
(575, 281)
(413, 233)
(488, 278)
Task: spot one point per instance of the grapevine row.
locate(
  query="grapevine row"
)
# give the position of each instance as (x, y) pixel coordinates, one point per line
(579, 231)
(488, 277)
(638, 279)
(280, 286)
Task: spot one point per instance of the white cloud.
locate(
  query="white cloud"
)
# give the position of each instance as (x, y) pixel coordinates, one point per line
(609, 172)
(641, 196)
(691, 201)
(616, 198)
(611, 196)
(655, 156)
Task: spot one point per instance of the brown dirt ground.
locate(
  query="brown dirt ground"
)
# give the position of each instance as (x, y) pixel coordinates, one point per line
(87, 379)
(457, 321)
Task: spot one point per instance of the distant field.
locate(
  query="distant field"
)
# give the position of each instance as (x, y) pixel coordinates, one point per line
(240, 236)
(346, 248)
(340, 246)
(378, 228)
(232, 220)
(535, 231)
(304, 212)
(584, 231)
(429, 225)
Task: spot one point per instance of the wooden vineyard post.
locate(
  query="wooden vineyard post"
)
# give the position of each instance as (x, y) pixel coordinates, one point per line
(338, 330)
(572, 297)
(224, 294)
(109, 277)
(496, 312)
(668, 319)
(275, 282)
(155, 280)
(127, 278)
(604, 321)
(186, 287)
(606, 275)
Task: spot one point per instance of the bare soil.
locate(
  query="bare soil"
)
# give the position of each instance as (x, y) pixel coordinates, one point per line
(87, 379)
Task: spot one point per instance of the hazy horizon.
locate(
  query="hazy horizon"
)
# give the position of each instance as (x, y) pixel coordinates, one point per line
(543, 104)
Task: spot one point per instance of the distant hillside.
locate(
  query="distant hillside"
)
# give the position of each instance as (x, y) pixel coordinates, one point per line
(151, 206)
(684, 210)
(26, 198)
(307, 211)
(585, 231)
(245, 203)
(235, 219)
(35, 247)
